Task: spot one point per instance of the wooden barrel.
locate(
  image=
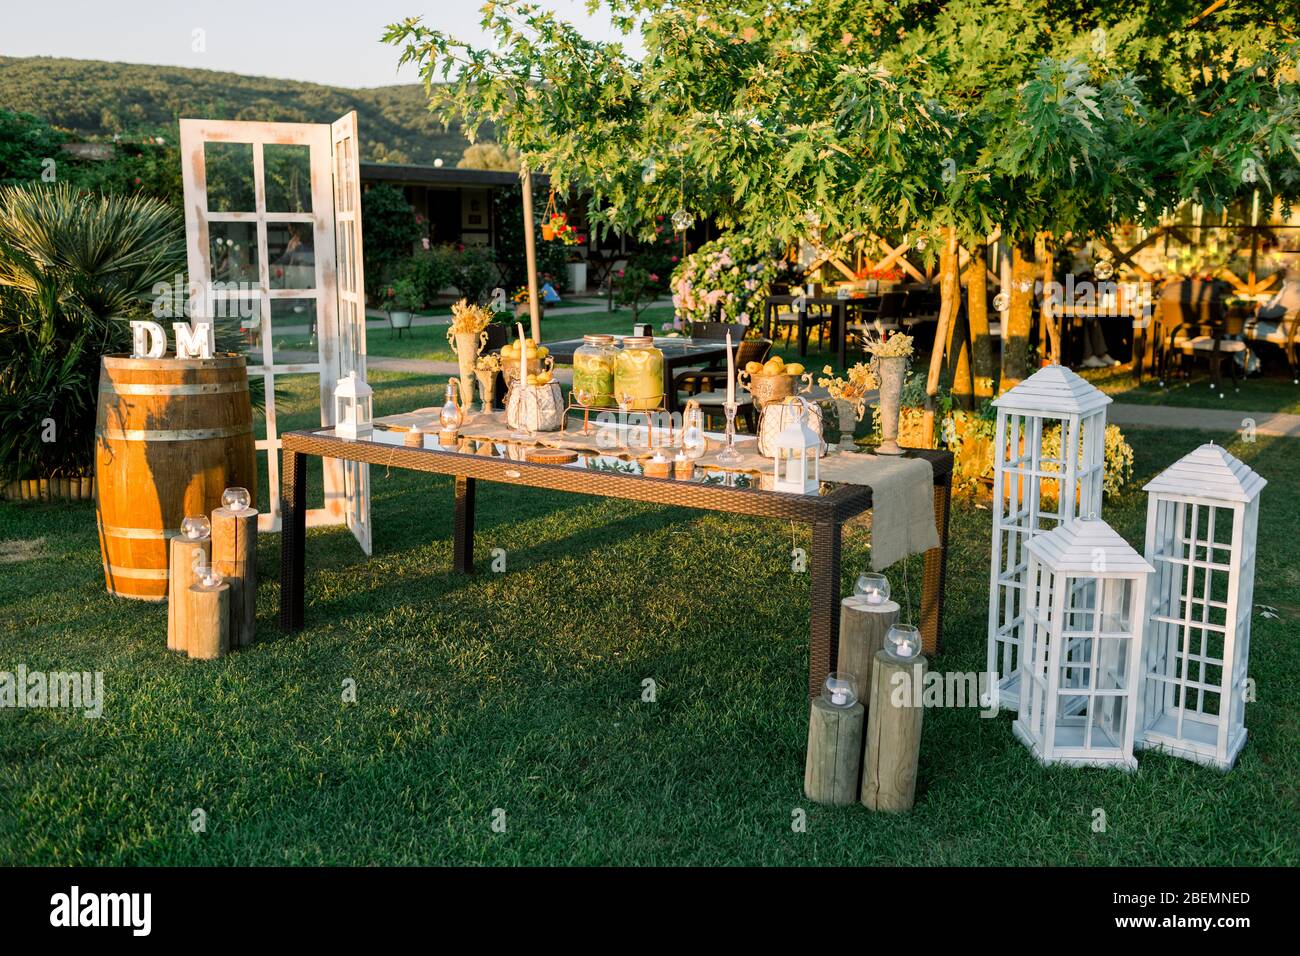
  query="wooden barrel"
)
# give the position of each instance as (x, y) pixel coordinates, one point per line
(170, 436)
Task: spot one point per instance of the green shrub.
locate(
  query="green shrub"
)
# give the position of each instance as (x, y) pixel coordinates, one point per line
(388, 230)
(431, 270)
(73, 270)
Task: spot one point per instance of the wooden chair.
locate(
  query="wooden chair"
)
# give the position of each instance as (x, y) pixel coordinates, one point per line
(1191, 324)
(698, 378)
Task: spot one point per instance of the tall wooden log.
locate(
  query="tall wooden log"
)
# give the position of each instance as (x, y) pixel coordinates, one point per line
(977, 317)
(949, 306)
(1019, 318)
(234, 554)
(893, 734)
(834, 753)
(863, 628)
(180, 577)
(209, 614)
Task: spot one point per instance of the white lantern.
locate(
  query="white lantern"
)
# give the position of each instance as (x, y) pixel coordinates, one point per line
(796, 455)
(1202, 514)
(1083, 629)
(1049, 460)
(353, 400)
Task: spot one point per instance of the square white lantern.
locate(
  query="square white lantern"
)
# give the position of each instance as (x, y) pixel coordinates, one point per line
(796, 455)
(1202, 516)
(1049, 460)
(353, 407)
(1079, 670)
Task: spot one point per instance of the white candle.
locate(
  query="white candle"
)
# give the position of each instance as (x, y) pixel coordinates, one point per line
(731, 373)
(873, 596)
(905, 649)
(523, 356)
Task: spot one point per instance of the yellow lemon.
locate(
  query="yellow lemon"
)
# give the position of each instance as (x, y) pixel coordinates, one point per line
(532, 380)
(543, 351)
(754, 368)
(794, 369)
(773, 366)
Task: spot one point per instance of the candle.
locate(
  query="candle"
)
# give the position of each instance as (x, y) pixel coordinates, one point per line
(731, 373)
(873, 596)
(523, 356)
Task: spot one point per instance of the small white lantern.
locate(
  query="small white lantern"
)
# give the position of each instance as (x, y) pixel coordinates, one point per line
(796, 455)
(1202, 516)
(1079, 667)
(1051, 431)
(353, 400)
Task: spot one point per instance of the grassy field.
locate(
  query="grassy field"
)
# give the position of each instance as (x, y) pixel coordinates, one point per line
(1271, 392)
(521, 691)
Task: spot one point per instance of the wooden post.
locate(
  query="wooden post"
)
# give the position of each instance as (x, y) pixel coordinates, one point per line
(184, 555)
(977, 314)
(1049, 318)
(234, 555)
(209, 621)
(862, 634)
(1018, 321)
(834, 753)
(530, 254)
(949, 306)
(893, 734)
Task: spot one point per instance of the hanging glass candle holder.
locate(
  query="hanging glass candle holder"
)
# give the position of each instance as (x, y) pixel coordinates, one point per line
(903, 641)
(840, 689)
(236, 499)
(872, 588)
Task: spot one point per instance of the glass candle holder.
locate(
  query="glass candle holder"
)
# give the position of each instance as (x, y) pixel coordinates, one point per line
(871, 587)
(236, 499)
(903, 641)
(195, 527)
(840, 689)
(205, 575)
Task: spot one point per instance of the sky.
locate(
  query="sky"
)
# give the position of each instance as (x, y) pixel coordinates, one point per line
(335, 42)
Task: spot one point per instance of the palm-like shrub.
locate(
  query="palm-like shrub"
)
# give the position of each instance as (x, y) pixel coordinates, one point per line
(74, 269)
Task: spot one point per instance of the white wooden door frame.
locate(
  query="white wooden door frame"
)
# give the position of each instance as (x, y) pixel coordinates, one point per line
(345, 502)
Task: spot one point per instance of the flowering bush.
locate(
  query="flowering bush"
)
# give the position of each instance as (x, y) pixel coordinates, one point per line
(732, 273)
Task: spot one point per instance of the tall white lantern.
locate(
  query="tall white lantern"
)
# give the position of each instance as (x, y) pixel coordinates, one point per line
(1049, 461)
(1202, 514)
(796, 454)
(353, 407)
(1079, 670)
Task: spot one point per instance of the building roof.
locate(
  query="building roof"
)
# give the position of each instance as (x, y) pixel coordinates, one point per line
(1208, 472)
(443, 175)
(1056, 390)
(1087, 547)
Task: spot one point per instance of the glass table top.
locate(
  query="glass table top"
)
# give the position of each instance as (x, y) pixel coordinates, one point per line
(629, 454)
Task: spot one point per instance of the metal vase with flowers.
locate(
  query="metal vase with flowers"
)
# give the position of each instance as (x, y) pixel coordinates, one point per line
(891, 370)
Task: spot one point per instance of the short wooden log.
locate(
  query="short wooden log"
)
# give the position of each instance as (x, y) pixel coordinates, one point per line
(863, 628)
(834, 753)
(209, 635)
(234, 555)
(893, 733)
(184, 555)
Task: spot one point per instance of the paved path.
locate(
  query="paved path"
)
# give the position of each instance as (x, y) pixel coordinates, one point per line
(1204, 419)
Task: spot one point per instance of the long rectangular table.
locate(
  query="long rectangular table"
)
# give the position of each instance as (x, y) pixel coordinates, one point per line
(711, 489)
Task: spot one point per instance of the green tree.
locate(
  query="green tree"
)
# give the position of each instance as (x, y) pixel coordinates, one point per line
(389, 229)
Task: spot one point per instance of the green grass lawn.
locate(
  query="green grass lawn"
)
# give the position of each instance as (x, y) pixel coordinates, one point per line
(521, 691)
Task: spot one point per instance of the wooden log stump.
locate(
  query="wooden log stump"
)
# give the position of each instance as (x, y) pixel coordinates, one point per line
(209, 612)
(180, 577)
(893, 735)
(863, 627)
(234, 554)
(834, 753)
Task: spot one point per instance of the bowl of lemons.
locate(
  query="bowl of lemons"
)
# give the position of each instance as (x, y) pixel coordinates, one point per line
(774, 380)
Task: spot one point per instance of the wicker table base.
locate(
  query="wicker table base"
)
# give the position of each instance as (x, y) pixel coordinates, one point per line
(826, 513)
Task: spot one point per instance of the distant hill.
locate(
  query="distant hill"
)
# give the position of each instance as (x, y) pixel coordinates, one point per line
(96, 99)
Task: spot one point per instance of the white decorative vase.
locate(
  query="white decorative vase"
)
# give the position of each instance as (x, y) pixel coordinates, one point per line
(577, 277)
